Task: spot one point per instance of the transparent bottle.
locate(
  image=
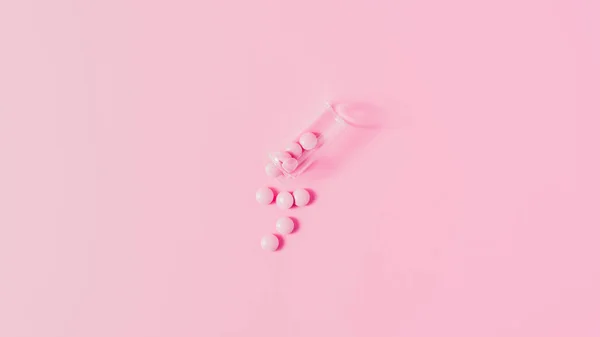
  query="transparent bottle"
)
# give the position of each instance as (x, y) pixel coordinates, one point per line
(290, 163)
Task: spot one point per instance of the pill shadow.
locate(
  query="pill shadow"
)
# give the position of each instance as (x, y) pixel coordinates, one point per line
(281, 242)
(364, 115)
(313, 196)
(347, 147)
(365, 120)
(368, 115)
(275, 192)
(296, 224)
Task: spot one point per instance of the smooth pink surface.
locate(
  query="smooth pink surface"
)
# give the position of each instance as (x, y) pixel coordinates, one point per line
(133, 134)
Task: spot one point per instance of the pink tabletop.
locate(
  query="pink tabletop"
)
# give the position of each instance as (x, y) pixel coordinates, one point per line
(134, 134)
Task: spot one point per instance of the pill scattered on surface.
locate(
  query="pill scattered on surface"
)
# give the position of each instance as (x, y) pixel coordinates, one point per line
(308, 141)
(290, 164)
(284, 225)
(269, 242)
(285, 200)
(294, 149)
(272, 170)
(301, 197)
(264, 195)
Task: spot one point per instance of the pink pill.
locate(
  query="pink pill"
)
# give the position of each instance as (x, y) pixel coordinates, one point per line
(284, 200)
(272, 170)
(301, 197)
(308, 141)
(294, 149)
(290, 164)
(269, 242)
(284, 225)
(282, 156)
(264, 195)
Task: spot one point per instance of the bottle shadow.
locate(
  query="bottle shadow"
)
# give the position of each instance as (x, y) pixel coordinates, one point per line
(365, 121)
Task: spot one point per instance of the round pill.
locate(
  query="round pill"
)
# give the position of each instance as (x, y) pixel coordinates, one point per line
(290, 164)
(308, 141)
(301, 197)
(282, 156)
(272, 170)
(269, 242)
(285, 200)
(294, 149)
(284, 225)
(264, 195)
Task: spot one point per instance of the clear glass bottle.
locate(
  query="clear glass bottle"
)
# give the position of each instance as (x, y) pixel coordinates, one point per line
(328, 125)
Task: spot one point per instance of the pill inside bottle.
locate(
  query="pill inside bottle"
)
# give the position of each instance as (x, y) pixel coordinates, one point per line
(311, 140)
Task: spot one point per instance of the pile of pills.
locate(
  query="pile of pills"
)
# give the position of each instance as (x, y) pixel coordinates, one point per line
(288, 160)
(284, 200)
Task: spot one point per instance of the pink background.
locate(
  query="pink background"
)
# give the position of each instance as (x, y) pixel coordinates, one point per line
(133, 136)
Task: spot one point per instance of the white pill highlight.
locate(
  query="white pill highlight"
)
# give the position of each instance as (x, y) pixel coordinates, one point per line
(282, 156)
(308, 141)
(294, 149)
(284, 225)
(301, 197)
(269, 242)
(284, 200)
(264, 195)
